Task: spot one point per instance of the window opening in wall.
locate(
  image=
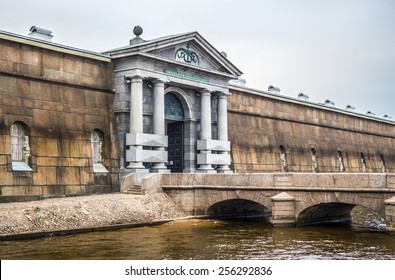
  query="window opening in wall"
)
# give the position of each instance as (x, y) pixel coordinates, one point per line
(97, 152)
(363, 162)
(340, 160)
(383, 167)
(283, 159)
(20, 148)
(314, 163)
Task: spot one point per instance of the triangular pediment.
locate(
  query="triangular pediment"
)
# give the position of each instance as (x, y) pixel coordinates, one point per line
(189, 49)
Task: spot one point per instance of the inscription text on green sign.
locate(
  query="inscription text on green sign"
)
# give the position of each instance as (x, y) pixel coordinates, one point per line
(186, 76)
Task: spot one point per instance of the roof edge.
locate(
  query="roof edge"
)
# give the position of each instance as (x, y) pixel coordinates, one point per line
(53, 46)
(306, 103)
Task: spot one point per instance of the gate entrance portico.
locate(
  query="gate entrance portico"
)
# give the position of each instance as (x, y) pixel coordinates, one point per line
(171, 105)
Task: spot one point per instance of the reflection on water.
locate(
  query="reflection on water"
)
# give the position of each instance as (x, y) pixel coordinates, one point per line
(209, 239)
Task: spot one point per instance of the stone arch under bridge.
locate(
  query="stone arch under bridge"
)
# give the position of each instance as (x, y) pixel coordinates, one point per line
(238, 208)
(286, 195)
(294, 206)
(325, 213)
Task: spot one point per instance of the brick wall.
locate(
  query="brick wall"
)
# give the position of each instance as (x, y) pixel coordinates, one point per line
(60, 98)
(259, 124)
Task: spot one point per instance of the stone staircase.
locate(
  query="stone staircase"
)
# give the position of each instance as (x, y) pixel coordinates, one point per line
(135, 190)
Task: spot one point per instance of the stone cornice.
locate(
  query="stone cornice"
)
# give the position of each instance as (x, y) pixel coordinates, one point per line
(306, 103)
(53, 46)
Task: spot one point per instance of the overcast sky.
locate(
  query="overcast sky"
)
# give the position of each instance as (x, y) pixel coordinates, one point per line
(343, 50)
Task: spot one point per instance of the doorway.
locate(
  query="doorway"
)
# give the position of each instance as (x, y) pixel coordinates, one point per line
(175, 150)
(174, 114)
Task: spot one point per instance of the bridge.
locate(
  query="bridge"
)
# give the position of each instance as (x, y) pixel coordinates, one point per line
(287, 198)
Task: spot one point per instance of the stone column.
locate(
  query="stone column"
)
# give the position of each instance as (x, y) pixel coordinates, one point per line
(159, 119)
(223, 127)
(136, 115)
(205, 125)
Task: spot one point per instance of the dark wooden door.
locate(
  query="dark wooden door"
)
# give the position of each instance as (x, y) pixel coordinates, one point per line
(175, 133)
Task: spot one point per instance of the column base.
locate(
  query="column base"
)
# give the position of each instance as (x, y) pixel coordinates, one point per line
(206, 169)
(135, 165)
(224, 169)
(160, 170)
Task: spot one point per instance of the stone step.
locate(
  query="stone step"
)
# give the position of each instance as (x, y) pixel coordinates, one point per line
(135, 190)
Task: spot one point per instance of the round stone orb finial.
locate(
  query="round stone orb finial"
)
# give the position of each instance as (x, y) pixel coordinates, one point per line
(137, 30)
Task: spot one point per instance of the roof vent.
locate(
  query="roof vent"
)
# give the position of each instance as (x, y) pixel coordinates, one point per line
(303, 96)
(387, 117)
(349, 107)
(329, 102)
(370, 113)
(273, 89)
(40, 33)
(137, 31)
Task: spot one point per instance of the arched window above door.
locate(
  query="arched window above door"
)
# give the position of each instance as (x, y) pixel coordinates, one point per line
(173, 108)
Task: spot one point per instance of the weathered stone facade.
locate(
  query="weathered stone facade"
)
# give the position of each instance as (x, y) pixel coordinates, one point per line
(85, 119)
(260, 122)
(59, 96)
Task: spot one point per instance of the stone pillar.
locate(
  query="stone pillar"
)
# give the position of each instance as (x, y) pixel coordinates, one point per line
(159, 120)
(205, 126)
(136, 116)
(223, 128)
(283, 210)
(390, 214)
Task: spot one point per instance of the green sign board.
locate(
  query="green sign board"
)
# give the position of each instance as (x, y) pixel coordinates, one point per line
(186, 76)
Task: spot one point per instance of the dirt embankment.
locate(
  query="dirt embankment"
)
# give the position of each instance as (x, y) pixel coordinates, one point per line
(85, 212)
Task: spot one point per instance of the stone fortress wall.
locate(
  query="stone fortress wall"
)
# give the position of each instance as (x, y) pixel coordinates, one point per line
(260, 122)
(59, 96)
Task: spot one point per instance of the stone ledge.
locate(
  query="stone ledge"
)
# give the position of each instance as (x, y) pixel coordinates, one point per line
(275, 188)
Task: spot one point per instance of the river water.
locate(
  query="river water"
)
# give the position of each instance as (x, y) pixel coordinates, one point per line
(209, 239)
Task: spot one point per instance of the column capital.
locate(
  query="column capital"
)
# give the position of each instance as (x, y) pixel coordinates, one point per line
(222, 96)
(222, 93)
(158, 82)
(134, 79)
(205, 92)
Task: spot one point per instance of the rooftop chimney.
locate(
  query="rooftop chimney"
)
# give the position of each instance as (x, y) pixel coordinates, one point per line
(40, 33)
